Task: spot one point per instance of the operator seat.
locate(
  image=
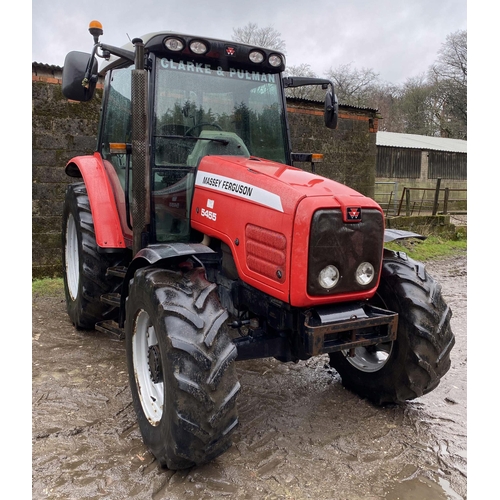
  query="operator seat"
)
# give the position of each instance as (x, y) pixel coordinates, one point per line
(234, 147)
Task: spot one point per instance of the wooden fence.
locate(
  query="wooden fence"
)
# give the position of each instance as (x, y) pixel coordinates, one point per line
(421, 201)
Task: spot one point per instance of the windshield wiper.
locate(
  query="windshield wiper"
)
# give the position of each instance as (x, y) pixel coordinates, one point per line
(193, 138)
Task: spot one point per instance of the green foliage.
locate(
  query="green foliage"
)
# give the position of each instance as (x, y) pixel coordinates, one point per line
(47, 287)
(433, 248)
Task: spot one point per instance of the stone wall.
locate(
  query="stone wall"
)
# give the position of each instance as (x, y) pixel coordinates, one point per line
(62, 129)
(350, 151)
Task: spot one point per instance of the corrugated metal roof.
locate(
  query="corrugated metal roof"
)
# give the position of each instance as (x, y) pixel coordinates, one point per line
(46, 66)
(322, 103)
(392, 139)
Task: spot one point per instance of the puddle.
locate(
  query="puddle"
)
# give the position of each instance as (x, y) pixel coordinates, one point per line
(422, 488)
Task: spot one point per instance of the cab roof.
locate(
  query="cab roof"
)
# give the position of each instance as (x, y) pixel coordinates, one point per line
(154, 40)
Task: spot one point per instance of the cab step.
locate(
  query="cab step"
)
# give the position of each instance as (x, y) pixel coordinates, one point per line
(110, 327)
(113, 299)
(119, 271)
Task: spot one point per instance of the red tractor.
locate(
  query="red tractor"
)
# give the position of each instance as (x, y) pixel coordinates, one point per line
(192, 236)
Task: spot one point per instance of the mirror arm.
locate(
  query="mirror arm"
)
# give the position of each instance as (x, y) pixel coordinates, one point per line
(300, 81)
(89, 77)
(116, 51)
(107, 51)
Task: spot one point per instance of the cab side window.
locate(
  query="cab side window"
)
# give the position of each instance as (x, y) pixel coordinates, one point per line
(117, 120)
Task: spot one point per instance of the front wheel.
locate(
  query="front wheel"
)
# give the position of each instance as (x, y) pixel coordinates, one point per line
(415, 362)
(181, 366)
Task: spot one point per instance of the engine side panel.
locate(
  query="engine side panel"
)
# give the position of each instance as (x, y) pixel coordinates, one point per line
(233, 206)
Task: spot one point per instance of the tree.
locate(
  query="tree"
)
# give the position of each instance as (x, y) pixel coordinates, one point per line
(262, 37)
(352, 85)
(300, 70)
(434, 103)
(385, 98)
(449, 75)
(308, 91)
(452, 58)
(416, 105)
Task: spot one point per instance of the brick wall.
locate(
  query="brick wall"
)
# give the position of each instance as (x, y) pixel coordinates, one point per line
(62, 129)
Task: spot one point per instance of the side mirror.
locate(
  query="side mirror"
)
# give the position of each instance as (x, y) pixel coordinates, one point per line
(331, 110)
(79, 76)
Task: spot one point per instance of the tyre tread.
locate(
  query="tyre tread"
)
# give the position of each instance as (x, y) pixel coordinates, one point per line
(87, 309)
(204, 390)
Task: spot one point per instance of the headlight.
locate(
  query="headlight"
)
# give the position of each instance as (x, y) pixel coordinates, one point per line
(198, 47)
(329, 277)
(174, 44)
(365, 273)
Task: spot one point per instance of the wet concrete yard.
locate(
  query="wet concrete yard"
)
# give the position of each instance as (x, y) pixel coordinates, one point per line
(301, 434)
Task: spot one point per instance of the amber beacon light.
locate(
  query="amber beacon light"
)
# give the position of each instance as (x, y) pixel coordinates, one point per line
(95, 28)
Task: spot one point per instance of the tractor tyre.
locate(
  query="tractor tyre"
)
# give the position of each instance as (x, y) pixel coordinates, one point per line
(181, 366)
(414, 363)
(84, 266)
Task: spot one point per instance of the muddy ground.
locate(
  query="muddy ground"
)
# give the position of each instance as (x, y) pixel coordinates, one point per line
(301, 434)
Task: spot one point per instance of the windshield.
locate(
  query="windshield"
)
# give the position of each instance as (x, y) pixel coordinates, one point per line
(202, 110)
(233, 112)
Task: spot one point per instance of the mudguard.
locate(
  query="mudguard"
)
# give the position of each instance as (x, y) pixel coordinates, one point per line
(400, 234)
(157, 254)
(108, 231)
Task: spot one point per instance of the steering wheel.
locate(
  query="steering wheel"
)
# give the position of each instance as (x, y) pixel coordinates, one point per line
(203, 124)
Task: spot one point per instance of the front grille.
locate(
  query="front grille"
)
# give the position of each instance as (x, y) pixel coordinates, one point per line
(344, 245)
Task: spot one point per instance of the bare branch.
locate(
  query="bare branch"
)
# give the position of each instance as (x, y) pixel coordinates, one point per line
(266, 37)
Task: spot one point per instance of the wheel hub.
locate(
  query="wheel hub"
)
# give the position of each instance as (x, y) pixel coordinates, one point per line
(154, 362)
(369, 359)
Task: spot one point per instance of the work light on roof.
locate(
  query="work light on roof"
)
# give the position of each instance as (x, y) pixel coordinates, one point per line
(275, 60)
(198, 47)
(256, 56)
(174, 44)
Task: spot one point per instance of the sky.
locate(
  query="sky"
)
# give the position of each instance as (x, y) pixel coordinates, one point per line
(397, 39)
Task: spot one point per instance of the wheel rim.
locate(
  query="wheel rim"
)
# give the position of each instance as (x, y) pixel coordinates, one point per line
(147, 367)
(72, 258)
(370, 359)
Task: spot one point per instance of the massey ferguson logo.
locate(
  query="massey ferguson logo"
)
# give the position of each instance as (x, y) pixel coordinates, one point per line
(230, 51)
(354, 214)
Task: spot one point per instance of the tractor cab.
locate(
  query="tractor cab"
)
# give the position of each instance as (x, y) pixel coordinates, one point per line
(202, 97)
(196, 110)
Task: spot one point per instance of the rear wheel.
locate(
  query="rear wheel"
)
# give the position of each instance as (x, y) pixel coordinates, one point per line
(84, 266)
(415, 362)
(181, 366)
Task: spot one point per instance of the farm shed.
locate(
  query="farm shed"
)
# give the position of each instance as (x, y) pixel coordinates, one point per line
(419, 162)
(410, 156)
